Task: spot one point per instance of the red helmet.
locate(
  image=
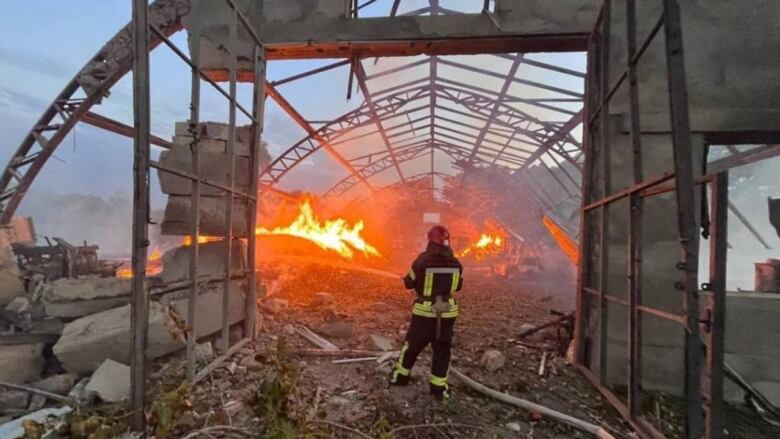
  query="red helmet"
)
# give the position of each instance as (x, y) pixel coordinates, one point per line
(439, 235)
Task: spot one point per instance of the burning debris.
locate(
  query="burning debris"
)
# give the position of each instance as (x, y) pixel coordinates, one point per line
(486, 245)
(334, 235)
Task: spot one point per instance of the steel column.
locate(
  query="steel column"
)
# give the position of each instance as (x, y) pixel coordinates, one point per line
(224, 342)
(686, 216)
(139, 305)
(716, 331)
(194, 130)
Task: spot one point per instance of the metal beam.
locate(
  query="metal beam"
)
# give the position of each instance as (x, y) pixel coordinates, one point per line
(361, 77)
(313, 133)
(108, 124)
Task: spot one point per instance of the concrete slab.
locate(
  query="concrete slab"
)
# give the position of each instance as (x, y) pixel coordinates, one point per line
(176, 219)
(71, 298)
(214, 167)
(211, 260)
(111, 382)
(90, 340)
(208, 309)
(21, 363)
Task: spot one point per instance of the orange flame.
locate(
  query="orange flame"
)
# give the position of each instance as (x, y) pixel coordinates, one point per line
(187, 241)
(335, 235)
(487, 244)
(153, 266)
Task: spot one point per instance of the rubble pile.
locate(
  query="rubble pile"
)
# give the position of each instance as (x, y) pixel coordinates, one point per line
(332, 334)
(67, 340)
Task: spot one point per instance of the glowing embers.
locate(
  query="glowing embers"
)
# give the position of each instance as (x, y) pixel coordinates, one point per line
(335, 235)
(153, 266)
(488, 244)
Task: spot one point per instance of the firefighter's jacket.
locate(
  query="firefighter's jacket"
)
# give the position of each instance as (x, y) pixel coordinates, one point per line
(435, 272)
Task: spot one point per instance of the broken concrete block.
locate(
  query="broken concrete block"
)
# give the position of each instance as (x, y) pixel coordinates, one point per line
(176, 220)
(211, 260)
(322, 299)
(208, 309)
(110, 382)
(90, 340)
(276, 305)
(19, 305)
(215, 167)
(338, 329)
(36, 402)
(60, 384)
(493, 360)
(21, 363)
(13, 399)
(204, 351)
(213, 145)
(71, 298)
(379, 343)
(11, 285)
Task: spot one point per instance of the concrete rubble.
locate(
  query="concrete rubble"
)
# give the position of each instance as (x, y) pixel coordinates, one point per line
(73, 298)
(21, 363)
(176, 262)
(59, 384)
(379, 343)
(90, 340)
(110, 382)
(213, 148)
(493, 360)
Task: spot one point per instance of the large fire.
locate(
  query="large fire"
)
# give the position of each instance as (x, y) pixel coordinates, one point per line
(335, 235)
(487, 245)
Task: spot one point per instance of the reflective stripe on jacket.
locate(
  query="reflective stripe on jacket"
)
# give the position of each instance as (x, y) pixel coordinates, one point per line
(435, 272)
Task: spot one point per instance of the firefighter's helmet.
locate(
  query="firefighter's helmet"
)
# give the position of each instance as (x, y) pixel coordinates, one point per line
(439, 235)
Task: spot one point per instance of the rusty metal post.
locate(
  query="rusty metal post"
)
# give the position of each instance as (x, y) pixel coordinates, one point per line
(229, 198)
(258, 111)
(139, 305)
(686, 215)
(192, 336)
(584, 268)
(717, 306)
(605, 191)
(635, 222)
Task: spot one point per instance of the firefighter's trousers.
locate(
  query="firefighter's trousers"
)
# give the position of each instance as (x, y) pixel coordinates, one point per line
(422, 331)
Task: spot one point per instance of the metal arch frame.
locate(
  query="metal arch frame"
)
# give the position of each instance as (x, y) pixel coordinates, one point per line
(112, 62)
(515, 126)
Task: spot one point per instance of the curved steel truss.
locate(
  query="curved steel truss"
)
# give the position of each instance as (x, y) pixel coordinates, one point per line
(438, 114)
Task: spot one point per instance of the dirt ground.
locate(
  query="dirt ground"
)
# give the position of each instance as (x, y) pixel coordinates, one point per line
(294, 393)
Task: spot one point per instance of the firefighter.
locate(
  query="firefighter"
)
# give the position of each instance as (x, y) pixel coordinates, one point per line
(435, 275)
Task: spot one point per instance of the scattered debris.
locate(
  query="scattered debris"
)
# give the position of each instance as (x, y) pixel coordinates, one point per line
(379, 343)
(338, 329)
(111, 382)
(19, 305)
(543, 365)
(276, 305)
(58, 384)
(13, 399)
(21, 363)
(599, 432)
(316, 339)
(354, 360)
(15, 428)
(493, 360)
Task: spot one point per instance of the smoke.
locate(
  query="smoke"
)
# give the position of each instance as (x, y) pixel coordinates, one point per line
(75, 217)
